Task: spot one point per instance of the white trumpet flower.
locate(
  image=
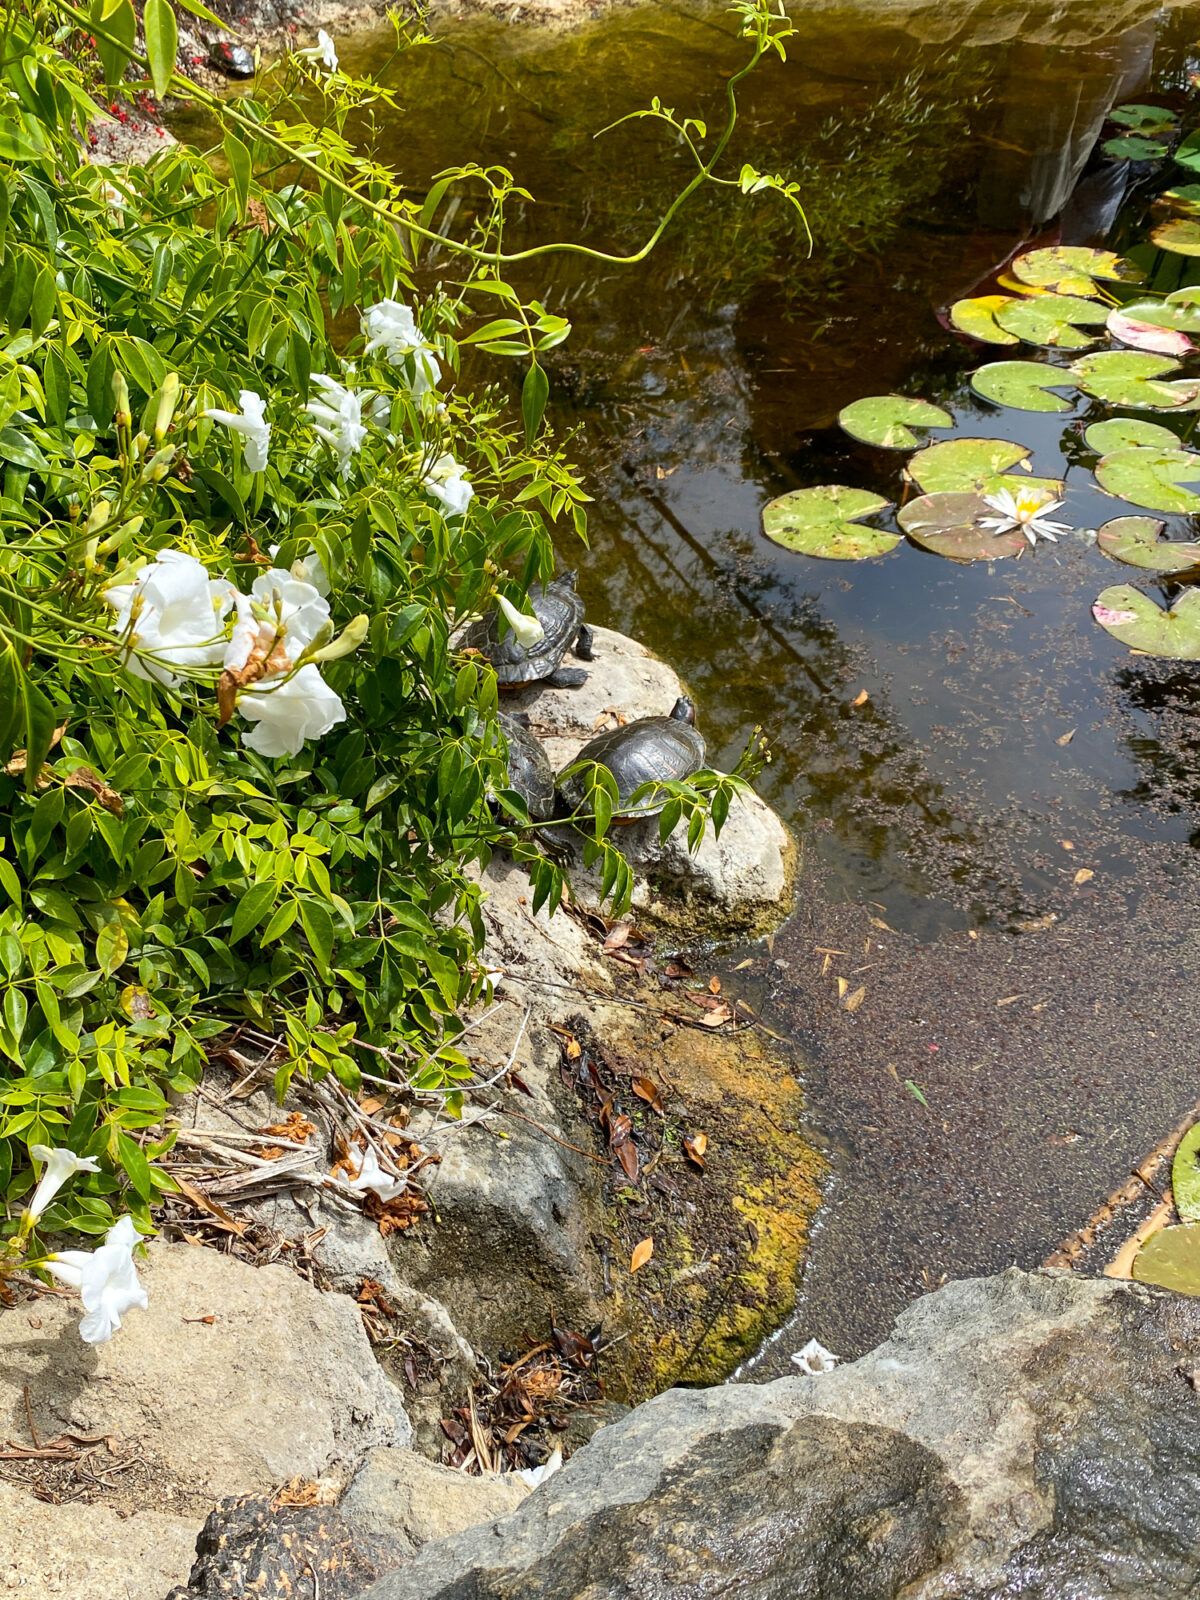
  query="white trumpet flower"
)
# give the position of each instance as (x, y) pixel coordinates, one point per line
(392, 328)
(371, 1178)
(1027, 510)
(323, 51)
(106, 1279)
(527, 630)
(61, 1167)
(289, 710)
(339, 418)
(251, 423)
(446, 482)
(172, 616)
(534, 1476)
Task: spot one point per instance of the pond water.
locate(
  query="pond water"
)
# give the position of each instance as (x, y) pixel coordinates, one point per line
(1005, 741)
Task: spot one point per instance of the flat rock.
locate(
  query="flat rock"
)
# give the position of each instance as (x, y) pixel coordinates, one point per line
(1026, 1435)
(281, 1382)
(406, 1501)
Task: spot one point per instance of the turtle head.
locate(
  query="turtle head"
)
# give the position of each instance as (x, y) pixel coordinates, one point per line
(684, 709)
(566, 580)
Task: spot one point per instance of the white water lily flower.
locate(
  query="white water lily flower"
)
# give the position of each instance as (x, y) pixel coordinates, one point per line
(106, 1278)
(371, 1177)
(172, 615)
(392, 328)
(289, 710)
(814, 1358)
(527, 630)
(1027, 510)
(535, 1475)
(61, 1166)
(339, 418)
(446, 482)
(251, 423)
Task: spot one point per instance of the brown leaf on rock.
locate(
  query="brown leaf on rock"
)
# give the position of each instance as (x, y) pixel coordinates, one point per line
(714, 985)
(398, 1215)
(694, 1149)
(620, 1142)
(860, 699)
(619, 936)
(853, 1001)
(716, 1016)
(641, 1254)
(1084, 875)
(647, 1090)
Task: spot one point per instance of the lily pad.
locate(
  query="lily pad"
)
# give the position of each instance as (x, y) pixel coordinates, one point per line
(1180, 235)
(1142, 117)
(1185, 198)
(1138, 542)
(1185, 1175)
(888, 420)
(1129, 378)
(1152, 478)
(976, 466)
(1050, 319)
(1134, 147)
(1147, 335)
(977, 318)
(1135, 620)
(1122, 433)
(1181, 316)
(1072, 269)
(1188, 153)
(949, 525)
(1170, 1258)
(824, 522)
(1024, 385)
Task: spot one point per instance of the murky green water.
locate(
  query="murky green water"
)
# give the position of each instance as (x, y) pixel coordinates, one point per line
(930, 141)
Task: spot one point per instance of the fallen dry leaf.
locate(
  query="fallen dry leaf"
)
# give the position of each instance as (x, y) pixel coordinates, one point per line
(619, 936)
(1065, 738)
(716, 1016)
(1067, 844)
(694, 1149)
(641, 1254)
(1083, 876)
(742, 965)
(647, 1090)
(878, 922)
(842, 985)
(1010, 998)
(853, 1001)
(714, 985)
(860, 699)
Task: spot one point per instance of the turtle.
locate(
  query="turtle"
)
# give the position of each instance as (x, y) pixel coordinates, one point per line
(529, 769)
(560, 611)
(234, 60)
(652, 749)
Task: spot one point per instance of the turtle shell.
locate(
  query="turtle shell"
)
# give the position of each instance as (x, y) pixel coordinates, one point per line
(529, 769)
(559, 610)
(650, 750)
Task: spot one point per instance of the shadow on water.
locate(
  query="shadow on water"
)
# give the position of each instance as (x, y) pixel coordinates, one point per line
(1005, 742)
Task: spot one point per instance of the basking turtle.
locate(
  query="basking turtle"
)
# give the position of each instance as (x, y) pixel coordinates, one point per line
(234, 60)
(529, 769)
(560, 611)
(652, 749)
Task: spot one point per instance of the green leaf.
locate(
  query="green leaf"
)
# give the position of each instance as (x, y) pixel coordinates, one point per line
(1071, 269)
(965, 465)
(1132, 147)
(1170, 1259)
(1136, 621)
(1185, 1175)
(1138, 542)
(1131, 378)
(112, 947)
(1180, 235)
(162, 42)
(1142, 117)
(888, 420)
(824, 522)
(1024, 385)
(535, 391)
(241, 171)
(318, 927)
(26, 716)
(950, 525)
(114, 34)
(251, 909)
(1152, 478)
(1049, 319)
(1188, 153)
(136, 1165)
(1123, 433)
(976, 317)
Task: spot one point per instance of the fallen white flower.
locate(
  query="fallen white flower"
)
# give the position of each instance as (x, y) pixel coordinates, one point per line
(289, 710)
(172, 615)
(528, 630)
(106, 1278)
(61, 1165)
(392, 328)
(251, 423)
(339, 418)
(814, 1358)
(535, 1475)
(446, 482)
(371, 1177)
(1026, 510)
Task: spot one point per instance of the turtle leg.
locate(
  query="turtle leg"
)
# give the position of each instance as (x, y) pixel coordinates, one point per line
(567, 678)
(585, 643)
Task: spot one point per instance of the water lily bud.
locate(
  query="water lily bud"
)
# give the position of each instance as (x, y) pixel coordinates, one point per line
(168, 399)
(100, 514)
(351, 636)
(121, 396)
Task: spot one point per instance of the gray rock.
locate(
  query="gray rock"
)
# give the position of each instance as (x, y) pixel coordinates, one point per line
(1026, 1435)
(406, 1501)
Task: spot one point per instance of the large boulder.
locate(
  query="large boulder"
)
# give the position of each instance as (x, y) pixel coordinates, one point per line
(1027, 1435)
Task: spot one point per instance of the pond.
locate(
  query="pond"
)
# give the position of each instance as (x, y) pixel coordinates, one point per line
(999, 836)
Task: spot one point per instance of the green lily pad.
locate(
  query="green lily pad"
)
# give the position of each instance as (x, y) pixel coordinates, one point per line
(977, 318)
(1188, 295)
(1135, 620)
(1180, 316)
(1170, 1258)
(1072, 269)
(949, 525)
(1024, 385)
(1188, 153)
(1050, 319)
(824, 522)
(1185, 198)
(1134, 147)
(1139, 116)
(1185, 1175)
(1180, 235)
(1152, 478)
(888, 420)
(976, 466)
(1123, 433)
(1138, 542)
(1129, 378)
